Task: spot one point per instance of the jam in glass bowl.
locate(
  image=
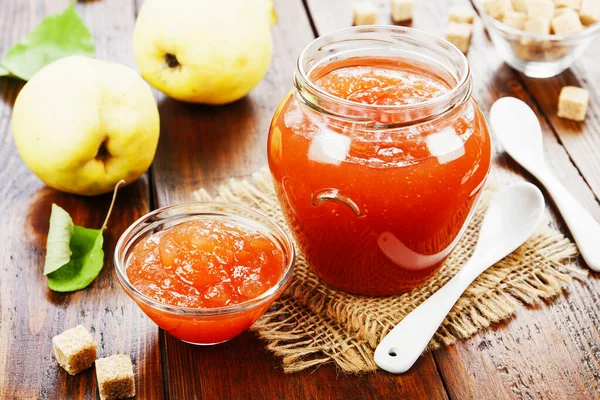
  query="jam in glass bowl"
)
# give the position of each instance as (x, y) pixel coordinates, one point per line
(204, 272)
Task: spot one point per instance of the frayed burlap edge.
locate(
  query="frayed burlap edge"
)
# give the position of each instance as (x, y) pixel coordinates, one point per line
(313, 324)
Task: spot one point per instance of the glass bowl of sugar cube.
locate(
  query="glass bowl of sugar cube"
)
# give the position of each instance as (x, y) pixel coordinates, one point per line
(541, 38)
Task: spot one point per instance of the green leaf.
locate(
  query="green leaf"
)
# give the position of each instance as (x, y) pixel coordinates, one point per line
(87, 258)
(4, 71)
(74, 255)
(58, 252)
(57, 36)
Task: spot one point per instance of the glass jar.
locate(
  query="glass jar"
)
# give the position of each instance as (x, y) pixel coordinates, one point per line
(203, 326)
(378, 195)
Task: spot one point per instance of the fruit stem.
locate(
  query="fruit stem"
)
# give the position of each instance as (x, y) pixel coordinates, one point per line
(112, 203)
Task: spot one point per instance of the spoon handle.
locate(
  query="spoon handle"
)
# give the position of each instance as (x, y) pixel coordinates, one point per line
(403, 345)
(584, 228)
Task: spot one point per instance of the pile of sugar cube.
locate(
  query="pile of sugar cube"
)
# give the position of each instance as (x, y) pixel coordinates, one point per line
(560, 17)
(365, 12)
(76, 351)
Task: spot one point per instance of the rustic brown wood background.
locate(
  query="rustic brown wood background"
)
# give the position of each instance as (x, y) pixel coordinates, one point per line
(551, 351)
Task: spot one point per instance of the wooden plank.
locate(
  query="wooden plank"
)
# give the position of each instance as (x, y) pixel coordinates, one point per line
(203, 146)
(544, 352)
(548, 351)
(30, 314)
(244, 369)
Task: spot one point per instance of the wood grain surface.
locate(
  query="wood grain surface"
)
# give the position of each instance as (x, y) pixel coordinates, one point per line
(551, 351)
(31, 314)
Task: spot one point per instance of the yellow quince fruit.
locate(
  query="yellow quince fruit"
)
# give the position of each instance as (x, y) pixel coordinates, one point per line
(204, 51)
(83, 124)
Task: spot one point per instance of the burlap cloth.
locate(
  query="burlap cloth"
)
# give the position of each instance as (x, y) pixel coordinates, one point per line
(313, 324)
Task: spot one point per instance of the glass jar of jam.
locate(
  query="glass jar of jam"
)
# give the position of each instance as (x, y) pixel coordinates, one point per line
(378, 156)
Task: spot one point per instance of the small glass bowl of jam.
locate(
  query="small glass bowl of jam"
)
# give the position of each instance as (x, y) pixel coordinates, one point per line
(378, 156)
(204, 272)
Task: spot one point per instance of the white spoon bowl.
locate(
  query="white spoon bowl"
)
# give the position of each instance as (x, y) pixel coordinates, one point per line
(517, 127)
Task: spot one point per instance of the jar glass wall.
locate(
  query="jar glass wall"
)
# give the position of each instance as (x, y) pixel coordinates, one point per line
(379, 191)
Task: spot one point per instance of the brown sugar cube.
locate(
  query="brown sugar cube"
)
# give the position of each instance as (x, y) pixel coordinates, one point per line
(459, 35)
(534, 47)
(574, 4)
(538, 25)
(566, 24)
(524, 51)
(514, 19)
(402, 10)
(540, 8)
(462, 14)
(74, 349)
(563, 10)
(519, 6)
(495, 8)
(572, 103)
(364, 13)
(115, 377)
(589, 12)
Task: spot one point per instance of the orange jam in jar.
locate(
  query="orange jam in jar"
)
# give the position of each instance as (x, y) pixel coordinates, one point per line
(378, 156)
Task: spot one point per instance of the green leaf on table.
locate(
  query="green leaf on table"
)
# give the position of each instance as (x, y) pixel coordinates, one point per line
(86, 261)
(58, 251)
(57, 36)
(74, 255)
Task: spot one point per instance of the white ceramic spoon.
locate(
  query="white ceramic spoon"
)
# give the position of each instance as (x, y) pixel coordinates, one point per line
(509, 221)
(518, 129)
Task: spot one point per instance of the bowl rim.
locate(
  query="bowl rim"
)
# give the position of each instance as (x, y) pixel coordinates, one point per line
(286, 245)
(584, 35)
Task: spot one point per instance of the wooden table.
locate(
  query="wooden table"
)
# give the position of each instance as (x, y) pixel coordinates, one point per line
(551, 351)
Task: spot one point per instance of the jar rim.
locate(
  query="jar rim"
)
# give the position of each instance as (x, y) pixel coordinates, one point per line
(135, 230)
(388, 35)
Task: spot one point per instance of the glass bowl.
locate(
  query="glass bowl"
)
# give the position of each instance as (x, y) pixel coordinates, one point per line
(203, 326)
(537, 56)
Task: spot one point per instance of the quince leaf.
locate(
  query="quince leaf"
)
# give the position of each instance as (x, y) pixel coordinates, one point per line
(74, 255)
(57, 36)
(85, 263)
(58, 252)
